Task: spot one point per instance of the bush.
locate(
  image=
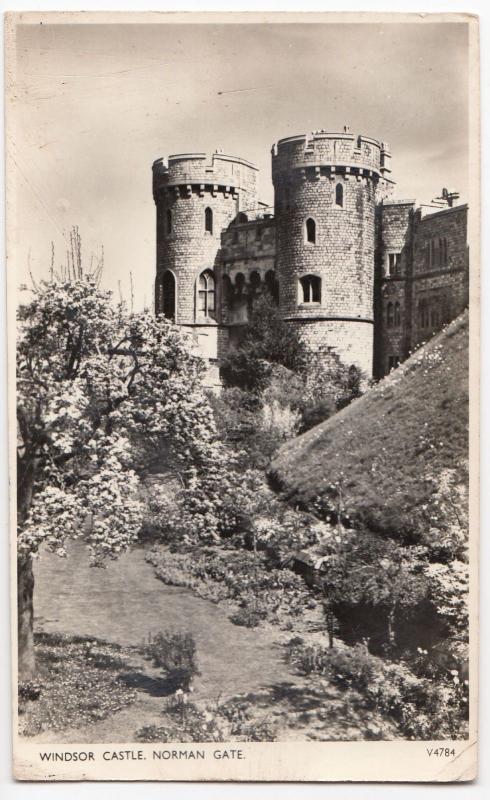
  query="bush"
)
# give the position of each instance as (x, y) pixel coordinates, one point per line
(422, 709)
(175, 655)
(228, 722)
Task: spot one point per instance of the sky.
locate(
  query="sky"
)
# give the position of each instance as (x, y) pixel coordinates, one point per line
(94, 105)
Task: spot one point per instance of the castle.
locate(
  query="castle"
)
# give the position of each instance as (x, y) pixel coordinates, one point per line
(352, 268)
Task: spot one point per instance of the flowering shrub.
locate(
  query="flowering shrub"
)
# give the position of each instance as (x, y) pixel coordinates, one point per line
(233, 721)
(422, 709)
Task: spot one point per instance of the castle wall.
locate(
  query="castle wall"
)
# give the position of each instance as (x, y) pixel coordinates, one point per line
(308, 173)
(248, 257)
(393, 269)
(440, 271)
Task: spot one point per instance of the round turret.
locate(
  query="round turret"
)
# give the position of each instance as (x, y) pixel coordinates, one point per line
(325, 188)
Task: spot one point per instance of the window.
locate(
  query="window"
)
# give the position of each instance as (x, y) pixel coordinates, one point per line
(205, 295)
(339, 195)
(397, 320)
(169, 221)
(441, 252)
(434, 316)
(445, 252)
(394, 260)
(255, 280)
(258, 232)
(432, 252)
(272, 285)
(208, 220)
(165, 295)
(310, 289)
(393, 362)
(311, 230)
(423, 314)
(287, 202)
(390, 315)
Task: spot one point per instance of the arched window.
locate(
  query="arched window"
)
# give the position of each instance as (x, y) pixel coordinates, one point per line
(339, 195)
(310, 289)
(272, 285)
(169, 221)
(165, 295)
(227, 288)
(241, 218)
(310, 230)
(397, 317)
(208, 220)
(206, 294)
(255, 280)
(390, 315)
(240, 282)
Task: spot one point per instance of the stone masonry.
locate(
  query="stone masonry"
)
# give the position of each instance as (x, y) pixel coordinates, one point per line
(351, 268)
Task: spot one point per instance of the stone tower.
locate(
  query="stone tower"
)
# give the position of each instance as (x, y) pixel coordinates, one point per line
(326, 187)
(196, 197)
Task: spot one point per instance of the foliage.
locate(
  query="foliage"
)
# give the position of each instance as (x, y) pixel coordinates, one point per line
(244, 578)
(330, 385)
(175, 654)
(421, 708)
(232, 721)
(267, 340)
(78, 684)
(92, 381)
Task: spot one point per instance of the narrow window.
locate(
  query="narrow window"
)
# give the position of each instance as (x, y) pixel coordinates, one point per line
(392, 263)
(169, 221)
(445, 252)
(393, 362)
(286, 199)
(208, 220)
(165, 295)
(434, 316)
(423, 314)
(432, 252)
(427, 254)
(390, 315)
(441, 252)
(206, 293)
(339, 195)
(310, 289)
(397, 316)
(272, 285)
(310, 230)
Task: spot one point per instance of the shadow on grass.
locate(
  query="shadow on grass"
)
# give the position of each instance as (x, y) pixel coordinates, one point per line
(155, 687)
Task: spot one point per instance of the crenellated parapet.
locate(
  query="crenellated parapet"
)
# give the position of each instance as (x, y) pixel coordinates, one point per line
(322, 154)
(199, 173)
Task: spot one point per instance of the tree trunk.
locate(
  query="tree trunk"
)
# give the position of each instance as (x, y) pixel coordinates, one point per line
(25, 575)
(25, 617)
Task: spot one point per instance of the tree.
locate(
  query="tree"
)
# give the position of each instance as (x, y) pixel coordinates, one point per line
(91, 381)
(267, 339)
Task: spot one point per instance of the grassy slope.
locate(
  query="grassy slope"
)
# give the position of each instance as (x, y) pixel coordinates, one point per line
(384, 446)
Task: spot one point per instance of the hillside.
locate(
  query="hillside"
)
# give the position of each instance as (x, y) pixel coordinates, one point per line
(378, 460)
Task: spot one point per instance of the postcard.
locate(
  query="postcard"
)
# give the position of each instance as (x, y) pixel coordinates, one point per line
(243, 309)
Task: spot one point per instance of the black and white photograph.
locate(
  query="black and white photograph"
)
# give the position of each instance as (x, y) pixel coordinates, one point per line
(243, 282)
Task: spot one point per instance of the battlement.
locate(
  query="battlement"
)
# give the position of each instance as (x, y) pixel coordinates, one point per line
(322, 152)
(208, 172)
